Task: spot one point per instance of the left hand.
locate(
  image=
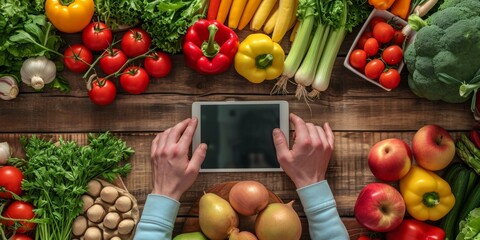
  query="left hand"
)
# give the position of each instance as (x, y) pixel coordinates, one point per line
(172, 171)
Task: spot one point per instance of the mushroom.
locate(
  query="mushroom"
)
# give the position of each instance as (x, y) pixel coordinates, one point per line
(79, 226)
(93, 233)
(126, 226)
(123, 204)
(96, 213)
(87, 202)
(94, 188)
(109, 194)
(111, 220)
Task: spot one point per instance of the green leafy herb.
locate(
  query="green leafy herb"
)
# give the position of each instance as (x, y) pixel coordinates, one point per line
(116, 13)
(56, 175)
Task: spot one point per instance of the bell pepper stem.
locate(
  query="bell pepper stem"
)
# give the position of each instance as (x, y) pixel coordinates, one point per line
(264, 61)
(431, 199)
(210, 48)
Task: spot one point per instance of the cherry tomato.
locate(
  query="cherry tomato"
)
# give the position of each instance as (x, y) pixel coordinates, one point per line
(135, 42)
(134, 80)
(363, 38)
(10, 179)
(376, 20)
(374, 68)
(383, 32)
(103, 92)
(112, 60)
(371, 47)
(97, 36)
(390, 79)
(20, 236)
(77, 58)
(398, 37)
(158, 64)
(358, 58)
(20, 210)
(392, 55)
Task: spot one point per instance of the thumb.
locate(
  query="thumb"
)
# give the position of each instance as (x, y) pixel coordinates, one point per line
(198, 156)
(281, 145)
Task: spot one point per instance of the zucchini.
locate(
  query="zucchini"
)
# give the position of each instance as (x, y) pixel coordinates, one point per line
(471, 202)
(458, 177)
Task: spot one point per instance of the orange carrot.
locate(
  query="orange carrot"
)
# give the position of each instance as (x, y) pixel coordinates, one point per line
(213, 9)
(250, 9)
(223, 10)
(401, 8)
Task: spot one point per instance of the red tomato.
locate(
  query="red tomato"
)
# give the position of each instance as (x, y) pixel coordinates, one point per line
(390, 79)
(398, 37)
(112, 60)
(20, 236)
(20, 210)
(97, 36)
(392, 55)
(383, 32)
(135, 42)
(371, 47)
(158, 64)
(374, 68)
(10, 179)
(358, 58)
(365, 36)
(375, 20)
(103, 91)
(134, 80)
(77, 58)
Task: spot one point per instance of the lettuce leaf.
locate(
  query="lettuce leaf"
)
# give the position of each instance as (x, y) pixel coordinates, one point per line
(470, 227)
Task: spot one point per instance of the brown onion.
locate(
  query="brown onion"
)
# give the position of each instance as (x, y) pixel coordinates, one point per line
(216, 217)
(243, 235)
(278, 221)
(248, 197)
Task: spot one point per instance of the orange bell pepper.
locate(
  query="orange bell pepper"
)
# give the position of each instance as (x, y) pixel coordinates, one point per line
(69, 16)
(381, 4)
(401, 8)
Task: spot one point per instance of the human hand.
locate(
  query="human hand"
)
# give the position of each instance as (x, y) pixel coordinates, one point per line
(307, 162)
(172, 172)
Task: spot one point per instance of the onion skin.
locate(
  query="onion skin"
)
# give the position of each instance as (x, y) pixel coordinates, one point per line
(248, 197)
(278, 221)
(216, 217)
(243, 235)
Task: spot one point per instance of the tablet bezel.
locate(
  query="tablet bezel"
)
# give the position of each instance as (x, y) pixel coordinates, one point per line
(284, 126)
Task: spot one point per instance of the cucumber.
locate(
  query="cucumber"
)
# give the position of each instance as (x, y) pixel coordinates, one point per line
(471, 201)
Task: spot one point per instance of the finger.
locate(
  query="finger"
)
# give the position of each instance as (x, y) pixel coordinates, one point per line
(154, 145)
(313, 132)
(177, 131)
(198, 156)
(329, 133)
(280, 142)
(301, 131)
(186, 138)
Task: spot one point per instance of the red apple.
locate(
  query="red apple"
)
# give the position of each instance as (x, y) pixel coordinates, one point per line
(433, 148)
(379, 207)
(390, 159)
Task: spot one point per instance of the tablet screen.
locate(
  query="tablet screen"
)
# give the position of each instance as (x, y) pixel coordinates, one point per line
(239, 136)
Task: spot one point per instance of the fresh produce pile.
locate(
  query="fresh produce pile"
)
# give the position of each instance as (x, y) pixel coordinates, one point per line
(219, 216)
(437, 197)
(41, 195)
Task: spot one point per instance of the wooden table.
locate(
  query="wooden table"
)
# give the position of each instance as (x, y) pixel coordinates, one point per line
(359, 113)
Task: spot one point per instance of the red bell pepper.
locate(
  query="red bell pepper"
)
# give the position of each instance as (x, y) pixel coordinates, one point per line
(415, 229)
(209, 47)
(475, 137)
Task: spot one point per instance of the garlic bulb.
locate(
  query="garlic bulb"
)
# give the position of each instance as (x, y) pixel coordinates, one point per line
(8, 87)
(37, 72)
(4, 152)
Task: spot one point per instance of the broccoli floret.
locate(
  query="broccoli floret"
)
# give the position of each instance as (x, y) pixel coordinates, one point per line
(463, 37)
(449, 16)
(409, 57)
(427, 41)
(425, 65)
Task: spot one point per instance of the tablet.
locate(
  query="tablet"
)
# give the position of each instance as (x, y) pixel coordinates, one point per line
(239, 134)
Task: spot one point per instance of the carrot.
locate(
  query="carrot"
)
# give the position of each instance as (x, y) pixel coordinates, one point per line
(223, 10)
(236, 11)
(250, 9)
(401, 8)
(213, 9)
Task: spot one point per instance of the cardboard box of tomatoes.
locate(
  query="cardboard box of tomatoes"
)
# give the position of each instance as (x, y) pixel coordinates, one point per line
(376, 55)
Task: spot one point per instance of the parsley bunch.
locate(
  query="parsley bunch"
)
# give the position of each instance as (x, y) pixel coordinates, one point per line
(56, 176)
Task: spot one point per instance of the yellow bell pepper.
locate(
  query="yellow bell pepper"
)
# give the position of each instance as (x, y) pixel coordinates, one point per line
(427, 196)
(381, 4)
(69, 16)
(259, 58)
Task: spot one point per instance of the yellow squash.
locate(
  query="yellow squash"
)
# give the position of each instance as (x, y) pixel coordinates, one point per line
(259, 58)
(427, 196)
(69, 16)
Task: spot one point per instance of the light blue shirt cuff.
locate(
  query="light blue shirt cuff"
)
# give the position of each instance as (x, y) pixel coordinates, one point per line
(316, 195)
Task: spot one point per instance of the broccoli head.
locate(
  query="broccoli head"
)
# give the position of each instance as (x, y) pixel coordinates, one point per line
(448, 46)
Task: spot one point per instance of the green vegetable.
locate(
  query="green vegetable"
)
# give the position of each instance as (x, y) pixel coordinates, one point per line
(468, 152)
(442, 61)
(470, 227)
(116, 13)
(167, 21)
(56, 175)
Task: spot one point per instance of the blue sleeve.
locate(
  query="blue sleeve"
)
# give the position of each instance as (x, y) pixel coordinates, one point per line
(158, 218)
(321, 210)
